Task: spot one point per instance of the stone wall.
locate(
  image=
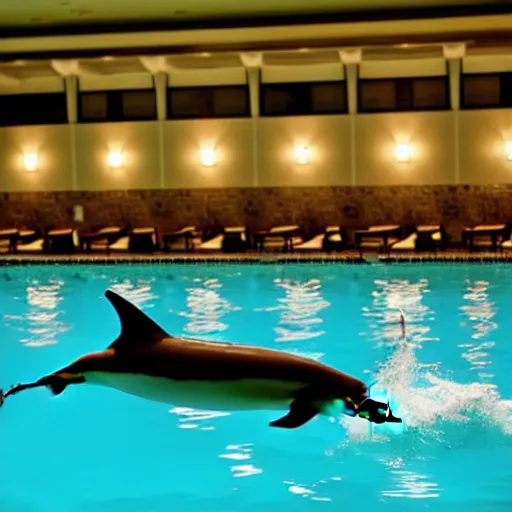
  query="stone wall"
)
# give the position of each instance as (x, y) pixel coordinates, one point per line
(260, 208)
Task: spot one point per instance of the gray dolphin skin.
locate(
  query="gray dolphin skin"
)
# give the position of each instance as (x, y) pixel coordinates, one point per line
(149, 363)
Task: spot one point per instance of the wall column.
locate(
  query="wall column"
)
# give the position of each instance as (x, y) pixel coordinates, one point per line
(253, 63)
(351, 58)
(161, 80)
(454, 55)
(71, 86)
(159, 69)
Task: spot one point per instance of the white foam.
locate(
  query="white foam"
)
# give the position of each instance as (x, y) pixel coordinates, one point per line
(428, 402)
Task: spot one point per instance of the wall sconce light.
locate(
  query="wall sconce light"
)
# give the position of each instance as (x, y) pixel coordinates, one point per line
(403, 153)
(508, 150)
(30, 162)
(302, 155)
(208, 157)
(115, 159)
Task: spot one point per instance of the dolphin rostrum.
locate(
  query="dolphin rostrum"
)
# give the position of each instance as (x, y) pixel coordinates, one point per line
(147, 362)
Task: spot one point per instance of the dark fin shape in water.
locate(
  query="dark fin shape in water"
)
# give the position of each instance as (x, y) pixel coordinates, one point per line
(136, 327)
(301, 411)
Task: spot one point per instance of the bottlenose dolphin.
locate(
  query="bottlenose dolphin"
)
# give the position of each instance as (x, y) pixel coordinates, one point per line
(147, 362)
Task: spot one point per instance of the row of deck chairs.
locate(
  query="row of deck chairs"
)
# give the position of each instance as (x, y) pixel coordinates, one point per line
(237, 239)
(112, 239)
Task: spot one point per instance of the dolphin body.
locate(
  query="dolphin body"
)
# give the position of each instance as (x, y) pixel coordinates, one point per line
(147, 362)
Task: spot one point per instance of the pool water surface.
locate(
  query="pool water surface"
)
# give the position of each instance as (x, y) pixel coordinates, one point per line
(95, 449)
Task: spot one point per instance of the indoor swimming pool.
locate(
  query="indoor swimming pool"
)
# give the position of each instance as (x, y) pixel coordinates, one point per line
(94, 449)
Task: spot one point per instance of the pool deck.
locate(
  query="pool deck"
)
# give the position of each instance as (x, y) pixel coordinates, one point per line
(346, 257)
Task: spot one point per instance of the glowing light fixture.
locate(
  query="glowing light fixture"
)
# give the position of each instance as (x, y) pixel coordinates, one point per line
(208, 158)
(403, 153)
(302, 156)
(115, 159)
(30, 161)
(508, 150)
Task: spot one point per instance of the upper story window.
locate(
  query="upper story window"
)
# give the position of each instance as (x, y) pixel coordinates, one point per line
(208, 102)
(490, 90)
(403, 94)
(296, 99)
(33, 109)
(112, 106)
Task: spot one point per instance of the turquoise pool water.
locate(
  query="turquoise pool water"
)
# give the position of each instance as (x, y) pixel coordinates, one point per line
(93, 449)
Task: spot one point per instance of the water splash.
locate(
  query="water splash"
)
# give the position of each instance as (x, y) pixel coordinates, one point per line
(431, 404)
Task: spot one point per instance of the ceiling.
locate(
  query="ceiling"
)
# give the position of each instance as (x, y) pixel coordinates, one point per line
(26, 15)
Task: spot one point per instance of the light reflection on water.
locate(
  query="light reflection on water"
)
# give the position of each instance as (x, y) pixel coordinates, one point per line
(390, 296)
(242, 452)
(190, 418)
(41, 321)
(299, 310)
(479, 311)
(138, 291)
(206, 309)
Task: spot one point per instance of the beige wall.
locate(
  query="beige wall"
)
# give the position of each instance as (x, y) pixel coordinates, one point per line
(482, 142)
(230, 138)
(327, 137)
(138, 143)
(52, 145)
(432, 139)
(339, 155)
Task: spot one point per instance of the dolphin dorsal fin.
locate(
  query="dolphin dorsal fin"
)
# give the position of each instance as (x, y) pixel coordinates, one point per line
(136, 327)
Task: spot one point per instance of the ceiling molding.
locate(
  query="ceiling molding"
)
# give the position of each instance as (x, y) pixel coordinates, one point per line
(484, 29)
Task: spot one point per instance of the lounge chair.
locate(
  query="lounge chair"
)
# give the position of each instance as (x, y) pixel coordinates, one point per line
(231, 239)
(377, 238)
(8, 238)
(184, 239)
(30, 241)
(62, 241)
(331, 239)
(284, 238)
(139, 240)
(100, 239)
(485, 236)
(423, 238)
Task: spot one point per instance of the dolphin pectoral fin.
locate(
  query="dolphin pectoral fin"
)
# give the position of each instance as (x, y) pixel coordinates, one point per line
(301, 411)
(136, 326)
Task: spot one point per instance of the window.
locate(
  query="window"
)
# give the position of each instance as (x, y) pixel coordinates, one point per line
(208, 102)
(136, 105)
(296, 99)
(30, 109)
(486, 90)
(403, 94)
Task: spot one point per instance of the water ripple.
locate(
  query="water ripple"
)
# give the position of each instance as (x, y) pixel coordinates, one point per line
(41, 321)
(299, 310)
(206, 309)
(242, 452)
(138, 292)
(480, 312)
(189, 418)
(409, 484)
(388, 297)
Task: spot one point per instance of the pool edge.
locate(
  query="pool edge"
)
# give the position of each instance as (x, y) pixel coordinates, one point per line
(252, 258)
